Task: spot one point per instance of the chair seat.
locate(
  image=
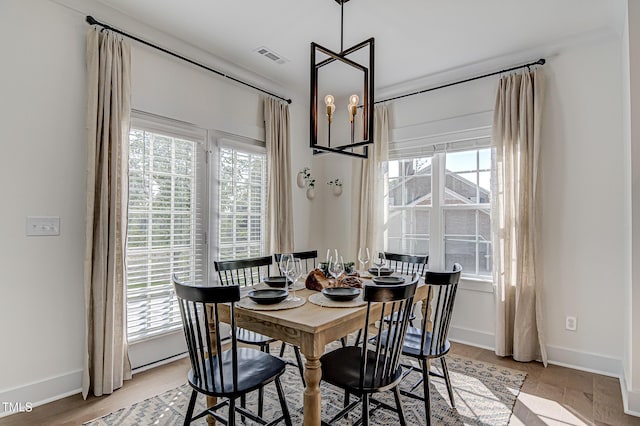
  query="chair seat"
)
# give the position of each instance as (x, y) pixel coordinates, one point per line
(252, 338)
(413, 339)
(341, 368)
(255, 369)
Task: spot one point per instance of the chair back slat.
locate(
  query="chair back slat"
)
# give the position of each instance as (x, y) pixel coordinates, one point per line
(309, 258)
(199, 310)
(441, 293)
(407, 264)
(243, 272)
(380, 365)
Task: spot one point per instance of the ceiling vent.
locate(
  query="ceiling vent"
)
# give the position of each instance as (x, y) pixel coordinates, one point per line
(270, 54)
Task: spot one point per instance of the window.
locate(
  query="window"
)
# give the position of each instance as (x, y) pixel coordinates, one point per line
(467, 212)
(166, 224)
(242, 201)
(440, 205)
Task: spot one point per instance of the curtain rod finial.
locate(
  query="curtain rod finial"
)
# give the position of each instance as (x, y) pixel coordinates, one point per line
(91, 20)
(541, 61)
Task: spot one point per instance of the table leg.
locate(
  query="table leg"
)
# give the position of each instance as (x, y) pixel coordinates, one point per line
(312, 397)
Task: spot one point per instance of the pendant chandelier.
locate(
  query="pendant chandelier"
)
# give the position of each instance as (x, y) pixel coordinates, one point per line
(339, 81)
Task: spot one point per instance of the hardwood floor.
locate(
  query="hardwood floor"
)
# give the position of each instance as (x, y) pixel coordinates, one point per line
(550, 396)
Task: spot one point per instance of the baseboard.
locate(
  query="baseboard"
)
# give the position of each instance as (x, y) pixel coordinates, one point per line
(159, 363)
(630, 398)
(467, 336)
(40, 392)
(585, 361)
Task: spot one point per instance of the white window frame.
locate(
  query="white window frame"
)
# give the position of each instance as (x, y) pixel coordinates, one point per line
(434, 139)
(161, 345)
(217, 140)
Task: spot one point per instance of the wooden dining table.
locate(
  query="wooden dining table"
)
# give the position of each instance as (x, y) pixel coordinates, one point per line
(310, 327)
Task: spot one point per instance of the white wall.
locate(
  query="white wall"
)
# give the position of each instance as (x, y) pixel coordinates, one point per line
(43, 169)
(631, 108)
(584, 227)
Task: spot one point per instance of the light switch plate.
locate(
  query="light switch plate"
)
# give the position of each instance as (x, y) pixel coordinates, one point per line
(43, 225)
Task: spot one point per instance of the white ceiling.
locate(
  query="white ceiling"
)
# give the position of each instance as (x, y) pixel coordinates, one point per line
(414, 38)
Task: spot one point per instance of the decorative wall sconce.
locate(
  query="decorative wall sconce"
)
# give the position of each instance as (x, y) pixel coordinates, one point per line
(322, 57)
(304, 179)
(336, 185)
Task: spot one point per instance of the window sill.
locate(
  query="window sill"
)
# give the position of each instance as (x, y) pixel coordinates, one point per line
(476, 284)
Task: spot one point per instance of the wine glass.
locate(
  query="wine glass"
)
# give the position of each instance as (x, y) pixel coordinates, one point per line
(336, 268)
(379, 261)
(297, 274)
(285, 265)
(363, 257)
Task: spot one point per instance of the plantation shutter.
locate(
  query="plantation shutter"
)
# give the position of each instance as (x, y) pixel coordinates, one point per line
(166, 229)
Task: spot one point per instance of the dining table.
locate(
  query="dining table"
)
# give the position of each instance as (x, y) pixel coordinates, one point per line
(311, 327)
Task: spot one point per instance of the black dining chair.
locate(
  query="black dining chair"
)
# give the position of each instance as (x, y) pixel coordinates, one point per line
(425, 344)
(364, 371)
(309, 258)
(215, 372)
(407, 264)
(246, 273)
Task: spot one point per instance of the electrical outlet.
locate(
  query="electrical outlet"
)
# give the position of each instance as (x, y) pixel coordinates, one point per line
(571, 323)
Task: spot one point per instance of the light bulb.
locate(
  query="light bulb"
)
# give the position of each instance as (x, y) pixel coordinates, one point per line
(328, 100)
(352, 107)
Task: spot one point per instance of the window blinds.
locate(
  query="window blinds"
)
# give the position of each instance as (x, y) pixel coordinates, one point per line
(454, 134)
(166, 229)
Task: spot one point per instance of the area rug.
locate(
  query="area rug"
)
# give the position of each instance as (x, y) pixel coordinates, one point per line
(484, 394)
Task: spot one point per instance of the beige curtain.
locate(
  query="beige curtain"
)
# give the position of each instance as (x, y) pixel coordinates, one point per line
(279, 230)
(515, 220)
(368, 188)
(106, 362)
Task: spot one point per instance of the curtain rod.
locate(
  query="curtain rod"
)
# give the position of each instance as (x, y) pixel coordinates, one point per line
(541, 61)
(92, 21)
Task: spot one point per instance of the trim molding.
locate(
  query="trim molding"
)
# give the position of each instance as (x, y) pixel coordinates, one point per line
(467, 336)
(43, 391)
(630, 398)
(585, 361)
(564, 357)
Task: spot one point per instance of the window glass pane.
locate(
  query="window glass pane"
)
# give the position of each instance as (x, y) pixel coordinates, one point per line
(462, 161)
(465, 183)
(409, 182)
(242, 203)
(462, 221)
(484, 159)
(162, 233)
(468, 240)
(408, 231)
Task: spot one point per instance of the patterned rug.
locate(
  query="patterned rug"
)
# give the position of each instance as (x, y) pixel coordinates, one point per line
(484, 394)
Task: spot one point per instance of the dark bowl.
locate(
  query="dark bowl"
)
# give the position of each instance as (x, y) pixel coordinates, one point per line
(341, 294)
(268, 296)
(277, 282)
(388, 280)
(383, 271)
